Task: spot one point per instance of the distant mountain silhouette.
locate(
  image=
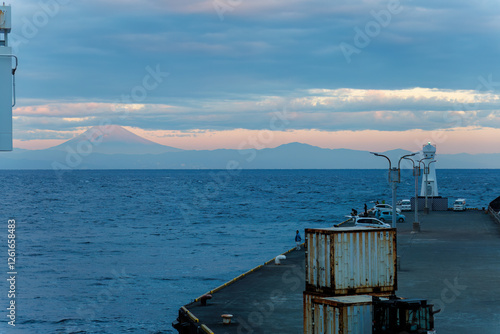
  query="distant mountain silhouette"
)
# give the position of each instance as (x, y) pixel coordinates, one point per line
(117, 148)
(113, 139)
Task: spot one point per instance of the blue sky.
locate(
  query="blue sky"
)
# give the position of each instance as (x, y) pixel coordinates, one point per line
(419, 68)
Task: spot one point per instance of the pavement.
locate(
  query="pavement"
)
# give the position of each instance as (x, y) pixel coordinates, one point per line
(268, 300)
(454, 263)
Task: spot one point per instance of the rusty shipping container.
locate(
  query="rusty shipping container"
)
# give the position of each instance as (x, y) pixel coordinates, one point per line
(351, 260)
(338, 315)
(307, 308)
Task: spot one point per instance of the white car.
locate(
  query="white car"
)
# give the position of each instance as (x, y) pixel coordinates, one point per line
(384, 206)
(369, 222)
(460, 205)
(405, 205)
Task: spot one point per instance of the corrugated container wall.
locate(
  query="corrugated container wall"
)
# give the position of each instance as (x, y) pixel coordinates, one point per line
(308, 315)
(347, 261)
(338, 315)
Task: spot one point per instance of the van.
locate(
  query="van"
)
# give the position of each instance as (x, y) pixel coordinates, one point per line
(459, 205)
(405, 205)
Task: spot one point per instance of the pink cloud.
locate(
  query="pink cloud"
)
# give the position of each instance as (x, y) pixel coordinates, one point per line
(460, 140)
(470, 140)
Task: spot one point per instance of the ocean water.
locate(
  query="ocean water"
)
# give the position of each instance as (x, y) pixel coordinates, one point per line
(121, 251)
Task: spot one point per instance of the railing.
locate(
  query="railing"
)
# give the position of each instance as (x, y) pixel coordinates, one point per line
(494, 214)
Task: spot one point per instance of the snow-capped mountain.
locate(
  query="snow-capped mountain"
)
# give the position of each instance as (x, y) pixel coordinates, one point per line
(113, 139)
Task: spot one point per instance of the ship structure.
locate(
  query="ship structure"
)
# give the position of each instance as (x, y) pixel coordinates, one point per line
(8, 66)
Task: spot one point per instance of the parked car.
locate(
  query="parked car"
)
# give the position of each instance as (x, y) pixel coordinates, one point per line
(460, 205)
(386, 215)
(405, 205)
(379, 207)
(370, 222)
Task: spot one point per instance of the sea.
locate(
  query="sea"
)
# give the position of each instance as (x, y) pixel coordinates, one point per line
(120, 251)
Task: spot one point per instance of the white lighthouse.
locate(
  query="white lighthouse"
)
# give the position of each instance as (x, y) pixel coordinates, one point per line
(429, 182)
(7, 71)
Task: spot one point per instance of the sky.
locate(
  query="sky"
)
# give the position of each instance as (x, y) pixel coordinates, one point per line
(206, 74)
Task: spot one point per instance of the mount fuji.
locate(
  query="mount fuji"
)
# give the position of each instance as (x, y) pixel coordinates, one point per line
(113, 147)
(113, 139)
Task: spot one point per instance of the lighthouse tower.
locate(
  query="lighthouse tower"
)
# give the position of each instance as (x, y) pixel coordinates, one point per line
(7, 71)
(429, 182)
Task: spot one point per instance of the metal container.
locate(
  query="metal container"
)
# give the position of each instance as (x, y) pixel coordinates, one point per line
(337, 315)
(308, 309)
(351, 260)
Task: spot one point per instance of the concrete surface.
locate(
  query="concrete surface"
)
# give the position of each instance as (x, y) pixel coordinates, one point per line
(454, 263)
(268, 300)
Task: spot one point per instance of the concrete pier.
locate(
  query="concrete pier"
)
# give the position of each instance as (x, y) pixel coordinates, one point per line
(268, 300)
(454, 263)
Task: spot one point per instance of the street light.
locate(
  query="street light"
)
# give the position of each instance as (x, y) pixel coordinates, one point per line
(394, 179)
(416, 173)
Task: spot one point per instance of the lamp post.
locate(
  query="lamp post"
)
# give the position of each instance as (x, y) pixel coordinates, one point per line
(394, 179)
(416, 174)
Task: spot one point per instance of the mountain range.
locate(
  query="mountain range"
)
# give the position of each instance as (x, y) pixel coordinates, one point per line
(113, 147)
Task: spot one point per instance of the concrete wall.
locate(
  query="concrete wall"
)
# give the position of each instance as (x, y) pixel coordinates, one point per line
(434, 203)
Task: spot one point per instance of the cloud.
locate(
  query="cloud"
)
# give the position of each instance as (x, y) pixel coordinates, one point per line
(237, 7)
(98, 49)
(262, 57)
(460, 140)
(416, 99)
(322, 109)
